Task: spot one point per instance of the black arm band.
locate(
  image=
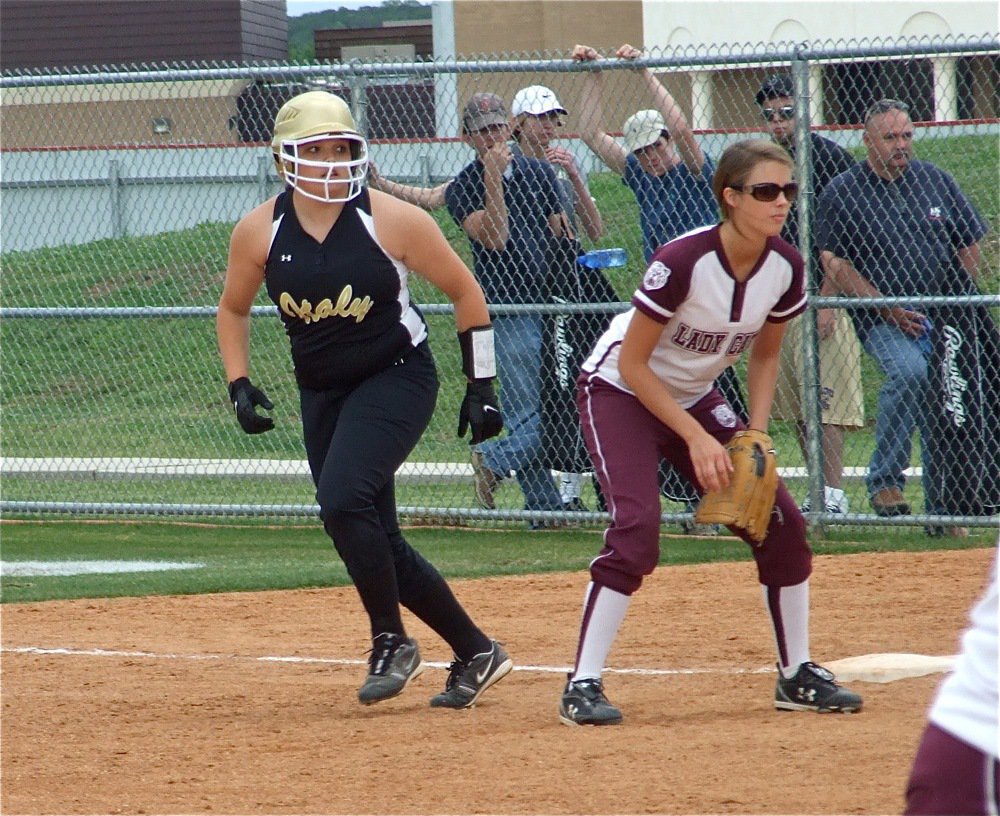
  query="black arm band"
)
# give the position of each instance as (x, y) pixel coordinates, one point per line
(478, 357)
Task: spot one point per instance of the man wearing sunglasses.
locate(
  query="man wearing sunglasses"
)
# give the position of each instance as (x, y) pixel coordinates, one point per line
(894, 226)
(840, 391)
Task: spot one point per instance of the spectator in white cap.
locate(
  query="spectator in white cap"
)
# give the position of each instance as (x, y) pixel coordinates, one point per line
(536, 115)
(510, 209)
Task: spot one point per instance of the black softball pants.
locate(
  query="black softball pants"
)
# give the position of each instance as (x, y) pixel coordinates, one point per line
(356, 438)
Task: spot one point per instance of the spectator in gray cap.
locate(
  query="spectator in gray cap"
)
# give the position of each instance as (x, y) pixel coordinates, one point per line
(509, 207)
(661, 162)
(670, 176)
(536, 116)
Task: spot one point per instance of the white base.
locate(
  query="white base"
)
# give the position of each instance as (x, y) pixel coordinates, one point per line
(884, 668)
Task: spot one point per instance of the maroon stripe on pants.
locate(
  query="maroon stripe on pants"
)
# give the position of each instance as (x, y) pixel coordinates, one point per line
(774, 607)
(626, 443)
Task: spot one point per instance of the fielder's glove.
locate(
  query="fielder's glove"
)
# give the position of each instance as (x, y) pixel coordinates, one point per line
(245, 396)
(480, 411)
(747, 501)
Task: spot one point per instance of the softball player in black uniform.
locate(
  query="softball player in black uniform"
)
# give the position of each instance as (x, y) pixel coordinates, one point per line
(335, 259)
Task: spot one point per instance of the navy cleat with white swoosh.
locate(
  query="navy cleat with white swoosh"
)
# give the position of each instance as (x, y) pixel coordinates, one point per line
(394, 662)
(467, 680)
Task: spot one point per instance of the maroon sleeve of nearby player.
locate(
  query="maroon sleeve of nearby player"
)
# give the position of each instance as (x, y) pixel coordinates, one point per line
(793, 301)
(667, 280)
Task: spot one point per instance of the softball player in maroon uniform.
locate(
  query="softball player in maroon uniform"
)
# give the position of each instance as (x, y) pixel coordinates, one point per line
(647, 392)
(957, 766)
(336, 259)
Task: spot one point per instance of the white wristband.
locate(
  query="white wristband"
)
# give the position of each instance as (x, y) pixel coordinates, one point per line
(478, 354)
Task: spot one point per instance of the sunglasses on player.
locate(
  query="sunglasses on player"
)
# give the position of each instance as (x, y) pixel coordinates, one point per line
(784, 113)
(768, 191)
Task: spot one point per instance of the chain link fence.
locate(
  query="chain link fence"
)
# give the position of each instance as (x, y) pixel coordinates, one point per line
(121, 186)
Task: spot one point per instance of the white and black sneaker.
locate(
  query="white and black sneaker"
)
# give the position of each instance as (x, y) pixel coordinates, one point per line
(583, 703)
(467, 680)
(834, 499)
(813, 688)
(394, 662)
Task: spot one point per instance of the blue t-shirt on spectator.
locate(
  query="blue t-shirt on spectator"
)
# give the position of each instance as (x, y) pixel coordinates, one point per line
(515, 273)
(671, 204)
(902, 235)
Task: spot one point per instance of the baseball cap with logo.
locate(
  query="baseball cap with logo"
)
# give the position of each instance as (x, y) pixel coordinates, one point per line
(535, 100)
(774, 87)
(482, 110)
(642, 129)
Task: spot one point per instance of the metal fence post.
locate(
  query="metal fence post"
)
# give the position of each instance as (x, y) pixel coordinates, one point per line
(115, 194)
(811, 411)
(359, 101)
(263, 170)
(425, 170)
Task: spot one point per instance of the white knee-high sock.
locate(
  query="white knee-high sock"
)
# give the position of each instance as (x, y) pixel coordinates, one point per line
(789, 611)
(603, 613)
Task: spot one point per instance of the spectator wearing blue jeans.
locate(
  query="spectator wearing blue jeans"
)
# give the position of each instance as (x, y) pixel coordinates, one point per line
(894, 226)
(509, 207)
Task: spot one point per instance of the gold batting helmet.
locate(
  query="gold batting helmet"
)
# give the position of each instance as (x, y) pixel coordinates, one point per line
(312, 117)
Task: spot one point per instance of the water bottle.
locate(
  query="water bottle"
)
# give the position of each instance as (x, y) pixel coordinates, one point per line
(603, 258)
(925, 341)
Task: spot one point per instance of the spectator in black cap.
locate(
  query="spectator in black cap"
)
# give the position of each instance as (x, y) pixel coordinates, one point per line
(840, 390)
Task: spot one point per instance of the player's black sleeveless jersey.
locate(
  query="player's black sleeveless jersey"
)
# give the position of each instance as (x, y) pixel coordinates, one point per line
(345, 303)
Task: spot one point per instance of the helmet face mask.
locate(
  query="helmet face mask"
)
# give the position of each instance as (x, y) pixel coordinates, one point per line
(328, 186)
(318, 116)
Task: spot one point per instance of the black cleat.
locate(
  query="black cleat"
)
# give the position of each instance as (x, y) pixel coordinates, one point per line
(813, 688)
(583, 703)
(394, 662)
(469, 679)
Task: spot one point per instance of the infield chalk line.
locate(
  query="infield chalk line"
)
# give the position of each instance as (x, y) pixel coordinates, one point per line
(872, 668)
(159, 466)
(337, 661)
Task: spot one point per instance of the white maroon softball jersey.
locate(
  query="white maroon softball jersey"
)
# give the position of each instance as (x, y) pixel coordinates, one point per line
(708, 317)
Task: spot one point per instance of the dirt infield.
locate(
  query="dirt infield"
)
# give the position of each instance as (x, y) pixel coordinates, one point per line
(172, 705)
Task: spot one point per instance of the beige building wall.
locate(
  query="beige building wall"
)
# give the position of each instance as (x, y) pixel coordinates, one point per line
(711, 99)
(89, 115)
(548, 29)
(711, 24)
(553, 26)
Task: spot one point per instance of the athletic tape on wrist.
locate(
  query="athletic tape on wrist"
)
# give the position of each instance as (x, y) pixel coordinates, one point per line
(478, 355)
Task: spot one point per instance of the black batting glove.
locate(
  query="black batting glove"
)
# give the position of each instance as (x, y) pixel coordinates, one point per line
(245, 397)
(480, 411)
